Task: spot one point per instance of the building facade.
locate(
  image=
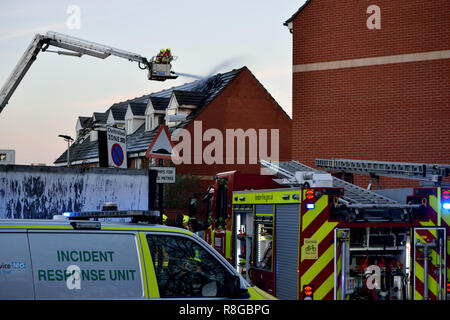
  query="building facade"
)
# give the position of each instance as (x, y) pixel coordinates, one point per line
(371, 81)
(226, 122)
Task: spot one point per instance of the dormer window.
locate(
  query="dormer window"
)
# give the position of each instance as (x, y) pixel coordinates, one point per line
(170, 112)
(182, 103)
(82, 124)
(134, 117)
(116, 115)
(129, 126)
(155, 111)
(149, 122)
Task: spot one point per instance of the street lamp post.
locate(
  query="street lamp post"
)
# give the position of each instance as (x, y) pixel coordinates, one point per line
(68, 139)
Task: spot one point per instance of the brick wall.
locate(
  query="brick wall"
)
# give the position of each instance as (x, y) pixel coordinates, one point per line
(391, 112)
(244, 104)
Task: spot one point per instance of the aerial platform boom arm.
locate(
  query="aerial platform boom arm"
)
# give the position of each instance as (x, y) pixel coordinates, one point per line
(408, 170)
(77, 47)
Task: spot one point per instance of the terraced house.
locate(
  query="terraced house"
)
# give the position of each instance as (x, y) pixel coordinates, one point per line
(235, 101)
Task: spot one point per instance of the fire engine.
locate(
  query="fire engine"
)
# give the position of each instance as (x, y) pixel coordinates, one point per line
(324, 238)
(219, 207)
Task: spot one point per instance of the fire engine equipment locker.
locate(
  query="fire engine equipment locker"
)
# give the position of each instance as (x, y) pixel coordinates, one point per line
(286, 251)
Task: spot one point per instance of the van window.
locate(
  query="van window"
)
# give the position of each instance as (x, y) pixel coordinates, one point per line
(85, 265)
(15, 267)
(185, 269)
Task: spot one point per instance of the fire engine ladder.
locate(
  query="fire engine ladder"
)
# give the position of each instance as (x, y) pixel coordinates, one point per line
(354, 197)
(425, 172)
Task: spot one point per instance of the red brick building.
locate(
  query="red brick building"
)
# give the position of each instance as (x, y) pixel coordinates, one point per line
(371, 82)
(243, 104)
(233, 101)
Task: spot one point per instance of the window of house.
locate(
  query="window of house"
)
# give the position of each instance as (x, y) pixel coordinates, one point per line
(170, 112)
(149, 122)
(185, 269)
(129, 126)
(138, 163)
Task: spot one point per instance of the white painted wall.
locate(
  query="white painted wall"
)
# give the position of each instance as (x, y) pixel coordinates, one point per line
(41, 192)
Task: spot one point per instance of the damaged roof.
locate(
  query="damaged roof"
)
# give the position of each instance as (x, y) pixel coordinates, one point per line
(192, 98)
(159, 103)
(199, 93)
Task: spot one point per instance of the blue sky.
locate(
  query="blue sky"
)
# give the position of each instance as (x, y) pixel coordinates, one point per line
(204, 34)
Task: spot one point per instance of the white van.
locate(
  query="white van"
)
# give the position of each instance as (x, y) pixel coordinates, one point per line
(83, 259)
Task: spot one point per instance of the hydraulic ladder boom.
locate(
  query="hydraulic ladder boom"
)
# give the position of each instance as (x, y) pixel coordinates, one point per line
(418, 171)
(355, 198)
(77, 47)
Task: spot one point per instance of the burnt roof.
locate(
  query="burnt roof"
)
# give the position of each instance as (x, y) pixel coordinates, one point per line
(140, 140)
(159, 103)
(192, 98)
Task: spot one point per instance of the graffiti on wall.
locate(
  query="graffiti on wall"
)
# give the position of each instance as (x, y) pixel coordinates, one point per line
(28, 192)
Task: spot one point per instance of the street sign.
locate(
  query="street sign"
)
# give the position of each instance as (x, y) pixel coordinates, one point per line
(117, 147)
(165, 174)
(161, 146)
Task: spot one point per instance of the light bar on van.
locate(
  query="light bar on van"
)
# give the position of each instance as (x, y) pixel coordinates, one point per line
(88, 225)
(113, 214)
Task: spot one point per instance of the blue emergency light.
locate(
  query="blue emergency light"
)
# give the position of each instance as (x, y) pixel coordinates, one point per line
(69, 214)
(445, 199)
(310, 206)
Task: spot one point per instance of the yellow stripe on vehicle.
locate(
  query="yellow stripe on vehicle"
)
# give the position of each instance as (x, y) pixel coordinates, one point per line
(324, 288)
(417, 296)
(258, 294)
(143, 265)
(266, 197)
(338, 272)
(318, 266)
(323, 231)
(433, 286)
(228, 244)
(149, 269)
(312, 214)
(428, 223)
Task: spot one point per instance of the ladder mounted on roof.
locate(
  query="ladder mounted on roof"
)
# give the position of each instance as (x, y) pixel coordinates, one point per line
(424, 172)
(355, 198)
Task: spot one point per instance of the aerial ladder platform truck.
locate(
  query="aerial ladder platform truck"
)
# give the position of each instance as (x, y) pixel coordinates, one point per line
(157, 70)
(323, 238)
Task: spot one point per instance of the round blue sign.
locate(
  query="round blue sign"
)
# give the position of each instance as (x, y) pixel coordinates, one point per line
(117, 155)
